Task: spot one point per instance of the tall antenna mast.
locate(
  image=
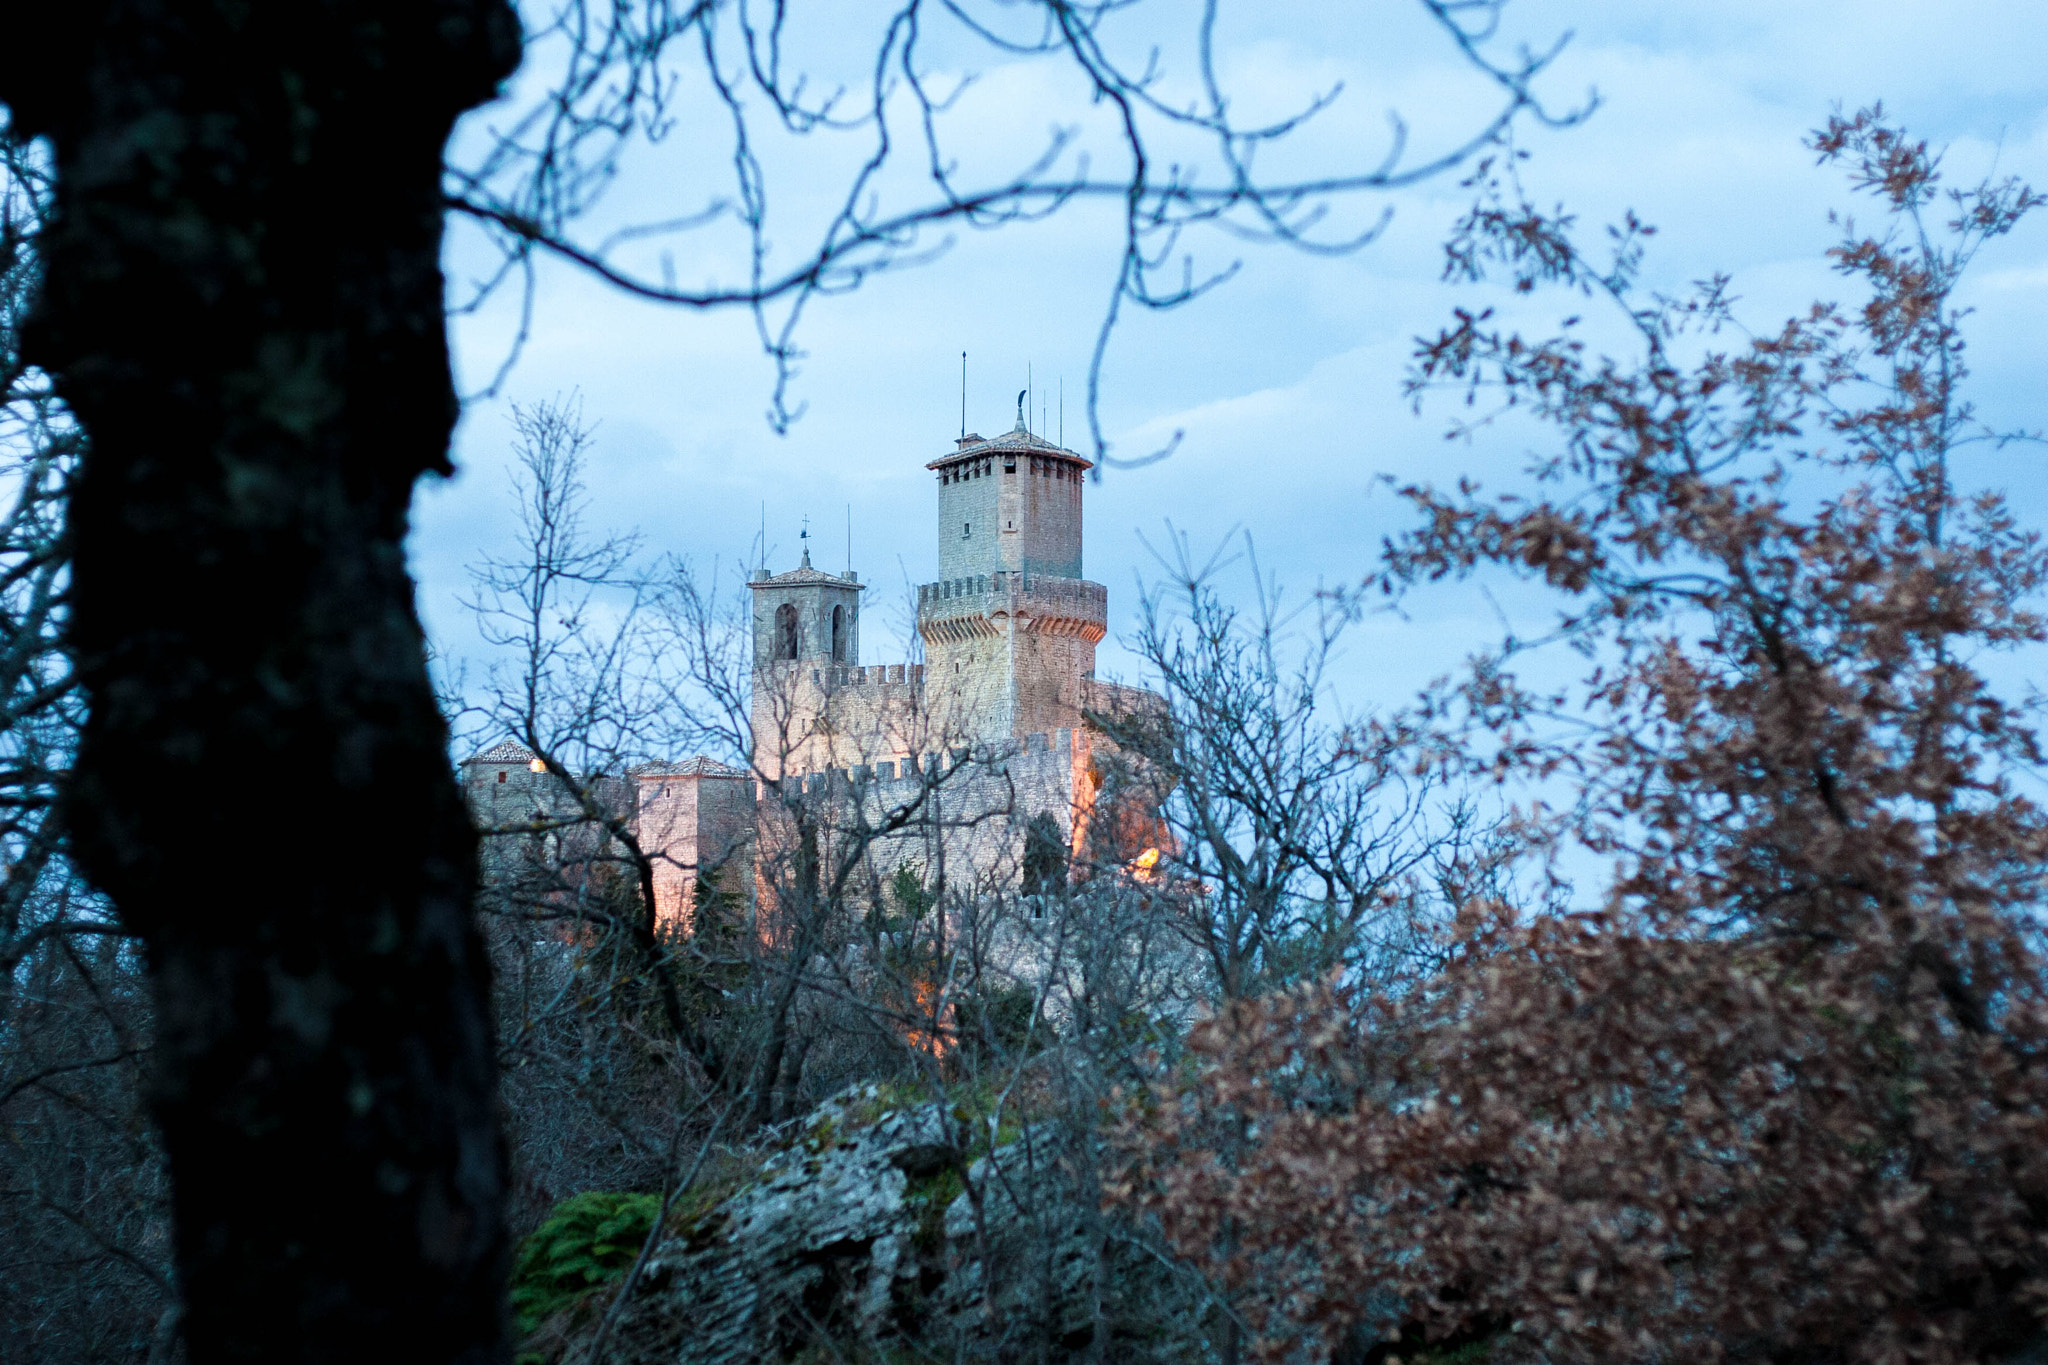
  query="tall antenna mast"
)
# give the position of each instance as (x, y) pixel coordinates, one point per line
(1027, 395)
(963, 395)
(849, 538)
(1063, 412)
(764, 533)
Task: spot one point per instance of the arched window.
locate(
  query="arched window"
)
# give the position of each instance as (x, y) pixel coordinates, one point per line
(785, 631)
(839, 635)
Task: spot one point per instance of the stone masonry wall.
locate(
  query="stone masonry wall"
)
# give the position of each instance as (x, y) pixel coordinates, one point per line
(814, 602)
(690, 821)
(1009, 652)
(976, 803)
(809, 717)
(1047, 517)
(968, 514)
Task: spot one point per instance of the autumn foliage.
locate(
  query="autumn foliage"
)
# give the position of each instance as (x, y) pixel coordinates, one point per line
(1778, 1088)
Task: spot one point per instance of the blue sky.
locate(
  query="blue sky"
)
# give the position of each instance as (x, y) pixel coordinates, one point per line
(1285, 382)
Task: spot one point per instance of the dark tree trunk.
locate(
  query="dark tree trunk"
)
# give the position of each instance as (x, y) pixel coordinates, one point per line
(244, 309)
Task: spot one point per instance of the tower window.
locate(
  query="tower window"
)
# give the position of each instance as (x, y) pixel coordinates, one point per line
(785, 631)
(966, 529)
(839, 635)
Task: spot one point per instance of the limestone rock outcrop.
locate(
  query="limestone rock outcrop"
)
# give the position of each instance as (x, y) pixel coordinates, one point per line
(873, 1235)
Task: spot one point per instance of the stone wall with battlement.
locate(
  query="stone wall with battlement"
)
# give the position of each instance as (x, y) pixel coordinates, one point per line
(872, 675)
(912, 766)
(1071, 606)
(810, 716)
(977, 803)
(1008, 652)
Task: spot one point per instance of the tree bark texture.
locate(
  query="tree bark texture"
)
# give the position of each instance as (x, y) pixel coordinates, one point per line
(243, 307)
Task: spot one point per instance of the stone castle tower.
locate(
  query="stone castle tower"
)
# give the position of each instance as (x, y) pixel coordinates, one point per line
(1009, 628)
(1000, 704)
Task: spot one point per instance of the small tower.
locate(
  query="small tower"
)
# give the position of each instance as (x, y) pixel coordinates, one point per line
(806, 616)
(806, 643)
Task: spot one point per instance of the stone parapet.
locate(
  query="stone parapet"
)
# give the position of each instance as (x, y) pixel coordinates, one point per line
(972, 805)
(959, 609)
(912, 769)
(836, 677)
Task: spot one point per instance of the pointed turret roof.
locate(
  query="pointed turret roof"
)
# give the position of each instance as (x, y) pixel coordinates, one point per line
(507, 751)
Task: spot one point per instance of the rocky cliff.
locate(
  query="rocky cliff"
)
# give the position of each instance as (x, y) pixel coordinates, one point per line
(878, 1235)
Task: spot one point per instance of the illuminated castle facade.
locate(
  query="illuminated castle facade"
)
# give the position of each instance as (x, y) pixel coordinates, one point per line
(985, 737)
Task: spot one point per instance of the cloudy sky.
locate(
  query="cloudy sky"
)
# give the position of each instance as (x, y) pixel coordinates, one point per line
(1284, 382)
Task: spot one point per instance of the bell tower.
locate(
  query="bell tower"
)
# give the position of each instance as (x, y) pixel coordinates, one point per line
(806, 642)
(805, 616)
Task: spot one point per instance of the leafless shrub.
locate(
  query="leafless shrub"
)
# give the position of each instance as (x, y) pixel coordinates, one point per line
(1295, 839)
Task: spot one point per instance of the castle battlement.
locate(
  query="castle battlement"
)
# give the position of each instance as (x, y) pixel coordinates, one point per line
(907, 678)
(959, 609)
(1041, 587)
(911, 770)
